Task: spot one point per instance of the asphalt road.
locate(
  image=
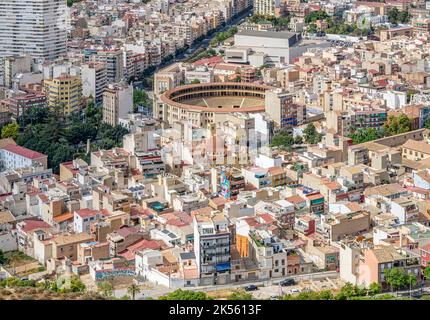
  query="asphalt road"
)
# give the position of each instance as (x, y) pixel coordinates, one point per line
(271, 282)
(267, 288)
(203, 43)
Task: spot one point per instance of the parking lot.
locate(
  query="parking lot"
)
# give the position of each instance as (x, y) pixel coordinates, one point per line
(301, 285)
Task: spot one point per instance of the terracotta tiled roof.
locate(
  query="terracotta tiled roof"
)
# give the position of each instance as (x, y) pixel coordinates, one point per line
(24, 152)
(34, 224)
(84, 213)
(63, 217)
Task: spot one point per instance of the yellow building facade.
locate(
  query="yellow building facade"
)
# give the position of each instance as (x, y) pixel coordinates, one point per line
(64, 91)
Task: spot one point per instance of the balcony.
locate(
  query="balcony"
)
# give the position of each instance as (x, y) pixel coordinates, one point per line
(412, 262)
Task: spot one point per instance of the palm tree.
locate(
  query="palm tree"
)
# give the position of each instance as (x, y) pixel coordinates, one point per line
(133, 290)
(412, 281)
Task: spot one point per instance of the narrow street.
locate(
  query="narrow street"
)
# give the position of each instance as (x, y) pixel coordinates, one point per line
(268, 288)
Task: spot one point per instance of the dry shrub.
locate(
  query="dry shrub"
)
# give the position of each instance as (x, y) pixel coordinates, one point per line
(5, 292)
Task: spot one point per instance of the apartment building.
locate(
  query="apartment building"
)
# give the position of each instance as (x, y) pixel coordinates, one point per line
(267, 7)
(92, 251)
(15, 64)
(117, 102)
(66, 246)
(116, 201)
(40, 30)
(64, 92)
(212, 240)
(387, 34)
(282, 109)
(269, 254)
(114, 61)
(13, 156)
(83, 218)
(21, 103)
(189, 202)
(339, 225)
(376, 260)
(345, 122)
(415, 150)
(94, 80)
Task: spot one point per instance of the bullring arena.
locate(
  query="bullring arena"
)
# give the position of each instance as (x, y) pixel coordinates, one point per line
(205, 103)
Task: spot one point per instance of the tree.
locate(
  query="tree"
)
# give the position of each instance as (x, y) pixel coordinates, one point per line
(10, 130)
(3, 259)
(311, 135)
(393, 15)
(282, 140)
(426, 272)
(312, 28)
(76, 285)
(427, 124)
(326, 295)
(71, 2)
(106, 288)
(185, 295)
(396, 278)
(12, 282)
(53, 286)
(133, 290)
(310, 295)
(365, 134)
(397, 125)
(316, 15)
(195, 81)
(213, 42)
(405, 16)
(298, 140)
(411, 280)
(44, 285)
(63, 137)
(346, 292)
(374, 288)
(140, 98)
(240, 295)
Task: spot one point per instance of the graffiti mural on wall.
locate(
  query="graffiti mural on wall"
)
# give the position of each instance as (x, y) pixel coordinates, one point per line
(103, 274)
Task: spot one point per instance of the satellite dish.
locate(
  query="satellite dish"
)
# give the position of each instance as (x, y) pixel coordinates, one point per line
(363, 22)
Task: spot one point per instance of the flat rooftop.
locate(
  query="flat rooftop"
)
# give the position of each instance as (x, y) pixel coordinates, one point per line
(268, 34)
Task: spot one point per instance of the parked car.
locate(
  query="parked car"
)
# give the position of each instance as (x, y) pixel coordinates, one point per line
(287, 282)
(251, 287)
(294, 291)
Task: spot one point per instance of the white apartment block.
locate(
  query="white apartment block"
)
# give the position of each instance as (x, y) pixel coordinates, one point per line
(37, 27)
(114, 60)
(212, 239)
(94, 80)
(14, 157)
(265, 7)
(117, 102)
